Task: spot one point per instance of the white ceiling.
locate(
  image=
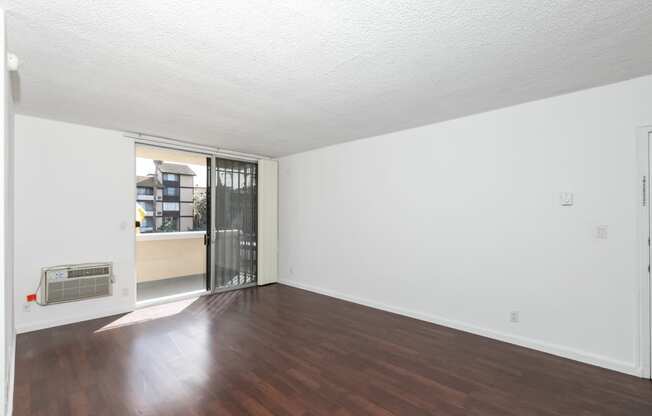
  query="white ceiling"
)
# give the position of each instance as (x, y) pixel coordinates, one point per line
(279, 77)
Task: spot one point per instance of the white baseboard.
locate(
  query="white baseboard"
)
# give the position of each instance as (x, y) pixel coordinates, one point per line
(558, 350)
(49, 323)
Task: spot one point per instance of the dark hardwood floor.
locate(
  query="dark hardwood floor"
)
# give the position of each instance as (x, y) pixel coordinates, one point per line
(277, 350)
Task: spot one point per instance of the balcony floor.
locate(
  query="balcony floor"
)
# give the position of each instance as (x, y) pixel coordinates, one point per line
(168, 287)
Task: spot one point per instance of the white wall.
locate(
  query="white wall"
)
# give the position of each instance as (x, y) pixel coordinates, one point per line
(7, 332)
(460, 223)
(74, 198)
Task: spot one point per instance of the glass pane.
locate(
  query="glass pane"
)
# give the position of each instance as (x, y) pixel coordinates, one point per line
(236, 220)
(170, 199)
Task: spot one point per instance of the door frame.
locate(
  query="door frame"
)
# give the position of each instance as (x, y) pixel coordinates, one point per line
(213, 153)
(198, 150)
(214, 181)
(644, 164)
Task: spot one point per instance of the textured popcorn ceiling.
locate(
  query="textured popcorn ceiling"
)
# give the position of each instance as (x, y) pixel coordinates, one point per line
(279, 77)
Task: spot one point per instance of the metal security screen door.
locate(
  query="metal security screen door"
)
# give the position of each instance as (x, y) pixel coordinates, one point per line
(236, 218)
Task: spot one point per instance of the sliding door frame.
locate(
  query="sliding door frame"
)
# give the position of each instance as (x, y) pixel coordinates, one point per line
(210, 195)
(211, 252)
(644, 164)
(213, 153)
(214, 180)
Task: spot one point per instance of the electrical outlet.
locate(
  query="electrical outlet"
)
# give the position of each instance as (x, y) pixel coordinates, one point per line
(27, 307)
(291, 271)
(514, 317)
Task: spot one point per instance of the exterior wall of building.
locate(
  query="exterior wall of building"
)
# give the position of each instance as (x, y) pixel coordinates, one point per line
(186, 223)
(186, 194)
(187, 211)
(174, 200)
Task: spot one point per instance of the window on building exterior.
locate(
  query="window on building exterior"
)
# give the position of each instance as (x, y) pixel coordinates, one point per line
(170, 206)
(146, 205)
(172, 177)
(143, 190)
(170, 191)
(147, 225)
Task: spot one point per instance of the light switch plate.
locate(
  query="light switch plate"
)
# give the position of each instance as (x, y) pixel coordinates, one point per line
(514, 317)
(601, 232)
(566, 199)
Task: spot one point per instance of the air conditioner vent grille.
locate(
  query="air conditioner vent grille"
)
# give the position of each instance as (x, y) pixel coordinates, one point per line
(88, 272)
(75, 282)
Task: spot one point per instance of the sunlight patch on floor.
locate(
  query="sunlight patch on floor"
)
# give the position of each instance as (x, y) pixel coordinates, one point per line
(149, 314)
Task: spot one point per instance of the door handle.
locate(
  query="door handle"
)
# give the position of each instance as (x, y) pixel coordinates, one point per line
(644, 194)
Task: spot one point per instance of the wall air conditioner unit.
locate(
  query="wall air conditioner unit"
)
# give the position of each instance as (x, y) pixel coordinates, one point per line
(73, 282)
(159, 197)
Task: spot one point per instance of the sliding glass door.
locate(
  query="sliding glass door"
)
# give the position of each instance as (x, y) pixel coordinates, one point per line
(197, 217)
(235, 224)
